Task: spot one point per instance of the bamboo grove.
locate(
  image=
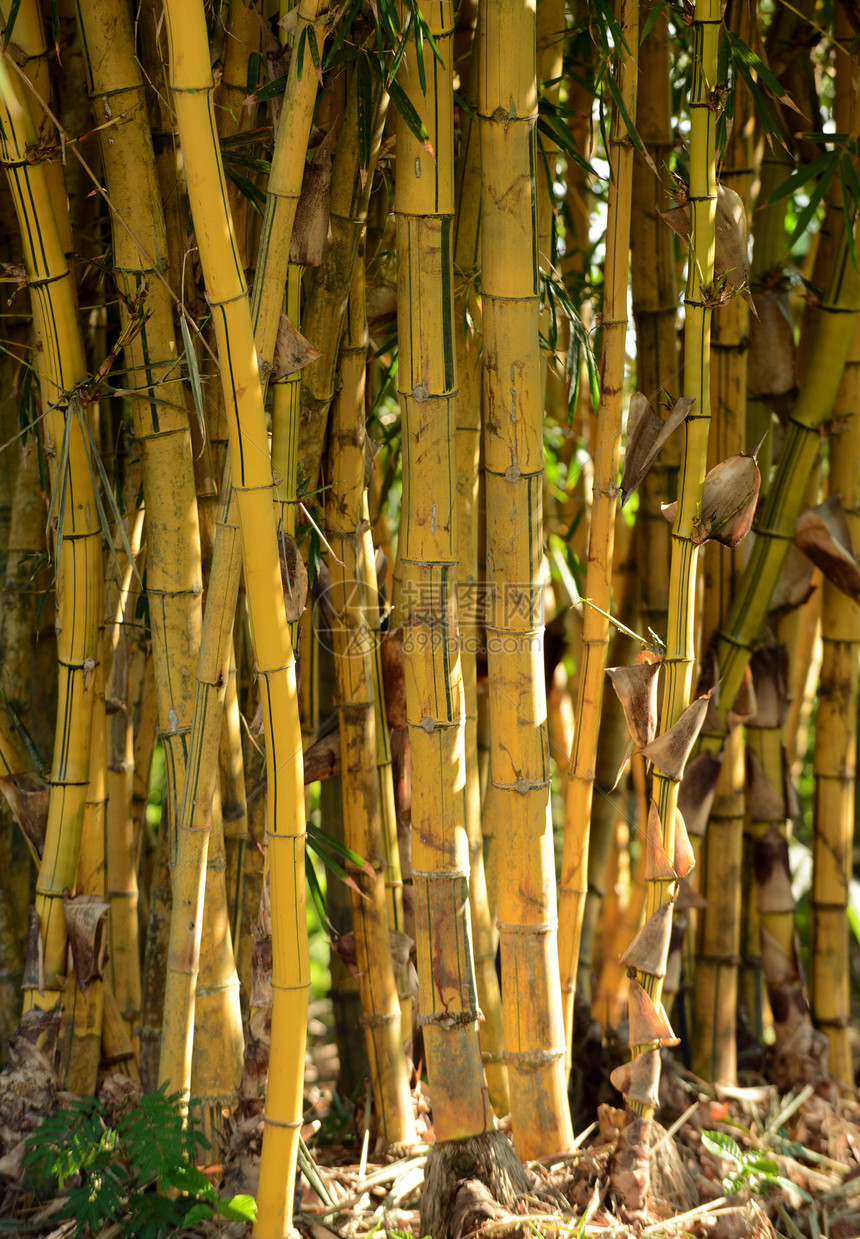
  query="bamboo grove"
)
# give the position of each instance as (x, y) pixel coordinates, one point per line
(429, 472)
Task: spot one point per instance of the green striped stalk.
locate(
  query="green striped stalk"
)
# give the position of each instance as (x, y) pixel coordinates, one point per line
(642, 1076)
(835, 756)
(775, 526)
(720, 855)
(79, 556)
(573, 886)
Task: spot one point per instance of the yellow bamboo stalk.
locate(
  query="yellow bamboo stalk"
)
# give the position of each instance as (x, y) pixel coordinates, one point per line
(123, 970)
(79, 566)
(573, 886)
(86, 1006)
(428, 557)
(467, 257)
(327, 296)
(357, 723)
(191, 84)
(28, 38)
(513, 461)
(216, 648)
(834, 761)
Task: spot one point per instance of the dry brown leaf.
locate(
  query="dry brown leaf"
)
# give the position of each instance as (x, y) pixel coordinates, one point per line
(637, 1081)
(765, 803)
(646, 434)
(648, 1021)
(794, 584)
(729, 497)
(696, 793)
(769, 668)
(656, 861)
(730, 252)
(649, 950)
(773, 873)
(771, 363)
(636, 688)
(311, 237)
(87, 923)
(822, 534)
(669, 752)
(294, 576)
(685, 858)
(292, 351)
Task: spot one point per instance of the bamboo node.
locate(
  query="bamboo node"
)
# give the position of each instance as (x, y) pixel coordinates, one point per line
(380, 1019)
(513, 473)
(540, 927)
(279, 1123)
(449, 1019)
(447, 875)
(428, 724)
(531, 1058)
(421, 392)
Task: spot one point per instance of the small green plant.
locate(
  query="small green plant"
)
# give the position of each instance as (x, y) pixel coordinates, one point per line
(753, 1170)
(138, 1170)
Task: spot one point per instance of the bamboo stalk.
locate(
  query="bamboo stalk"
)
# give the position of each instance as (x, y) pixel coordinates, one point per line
(216, 651)
(428, 557)
(191, 84)
(834, 761)
(354, 681)
(573, 886)
(467, 258)
(642, 1077)
(513, 462)
(79, 566)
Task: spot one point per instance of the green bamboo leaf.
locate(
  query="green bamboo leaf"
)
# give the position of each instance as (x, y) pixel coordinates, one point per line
(404, 106)
(742, 54)
(231, 159)
(10, 23)
(811, 207)
(628, 123)
(315, 52)
(300, 52)
(252, 78)
(364, 98)
(194, 375)
(419, 53)
(343, 31)
(272, 90)
(398, 55)
(799, 178)
(324, 839)
(651, 21)
(317, 896)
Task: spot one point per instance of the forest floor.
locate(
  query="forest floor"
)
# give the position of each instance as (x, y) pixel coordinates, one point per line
(745, 1161)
